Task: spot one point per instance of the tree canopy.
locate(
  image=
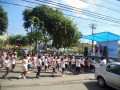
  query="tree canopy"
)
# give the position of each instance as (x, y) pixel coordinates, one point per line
(52, 24)
(18, 40)
(3, 21)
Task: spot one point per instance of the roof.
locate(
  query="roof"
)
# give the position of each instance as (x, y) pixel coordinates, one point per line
(103, 36)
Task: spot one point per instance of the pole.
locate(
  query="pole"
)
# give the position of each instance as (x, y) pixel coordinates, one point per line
(93, 27)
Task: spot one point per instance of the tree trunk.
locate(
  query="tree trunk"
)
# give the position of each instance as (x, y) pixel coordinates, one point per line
(45, 47)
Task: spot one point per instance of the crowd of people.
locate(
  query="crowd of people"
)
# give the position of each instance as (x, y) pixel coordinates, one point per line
(44, 62)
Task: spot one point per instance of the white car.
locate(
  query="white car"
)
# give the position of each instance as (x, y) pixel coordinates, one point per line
(108, 74)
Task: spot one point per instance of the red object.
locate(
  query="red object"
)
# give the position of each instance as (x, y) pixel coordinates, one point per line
(86, 62)
(32, 59)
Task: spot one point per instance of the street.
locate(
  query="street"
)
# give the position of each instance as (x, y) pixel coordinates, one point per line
(47, 82)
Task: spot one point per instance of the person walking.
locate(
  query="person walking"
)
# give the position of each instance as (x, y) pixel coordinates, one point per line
(73, 63)
(86, 64)
(25, 67)
(63, 65)
(78, 62)
(7, 64)
(46, 63)
(82, 64)
(39, 66)
(14, 58)
(53, 64)
(34, 59)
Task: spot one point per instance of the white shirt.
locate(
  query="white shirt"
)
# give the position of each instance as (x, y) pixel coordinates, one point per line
(53, 62)
(103, 62)
(25, 62)
(83, 61)
(43, 58)
(28, 58)
(73, 61)
(66, 61)
(63, 63)
(7, 63)
(39, 62)
(45, 62)
(35, 60)
(13, 60)
(78, 61)
(93, 62)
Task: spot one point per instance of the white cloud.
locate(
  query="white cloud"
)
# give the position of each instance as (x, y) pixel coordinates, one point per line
(75, 3)
(81, 5)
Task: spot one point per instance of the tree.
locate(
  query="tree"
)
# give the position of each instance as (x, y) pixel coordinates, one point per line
(3, 21)
(32, 37)
(18, 40)
(53, 25)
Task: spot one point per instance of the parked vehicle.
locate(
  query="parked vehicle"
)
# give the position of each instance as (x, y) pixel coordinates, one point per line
(108, 74)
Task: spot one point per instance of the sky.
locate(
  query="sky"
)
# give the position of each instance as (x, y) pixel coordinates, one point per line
(111, 8)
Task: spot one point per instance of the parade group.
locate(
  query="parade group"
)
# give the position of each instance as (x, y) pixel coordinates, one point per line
(44, 62)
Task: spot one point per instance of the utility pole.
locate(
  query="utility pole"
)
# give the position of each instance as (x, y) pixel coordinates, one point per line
(93, 27)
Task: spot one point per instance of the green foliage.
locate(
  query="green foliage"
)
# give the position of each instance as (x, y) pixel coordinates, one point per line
(3, 21)
(52, 25)
(18, 40)
(33, 36)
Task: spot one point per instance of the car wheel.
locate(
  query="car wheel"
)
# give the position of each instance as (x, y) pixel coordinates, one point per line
(101, 82)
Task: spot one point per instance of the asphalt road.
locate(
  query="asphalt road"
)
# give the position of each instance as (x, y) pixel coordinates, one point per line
(47, 82)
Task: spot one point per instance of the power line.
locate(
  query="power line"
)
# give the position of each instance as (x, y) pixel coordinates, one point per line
(103, 17)
(92, 20)
(16, 4)
(64, 14)
(111, 3)
(118, 11)
(74, 8)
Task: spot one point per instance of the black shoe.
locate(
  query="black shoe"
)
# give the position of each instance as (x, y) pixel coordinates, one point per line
(4, 77)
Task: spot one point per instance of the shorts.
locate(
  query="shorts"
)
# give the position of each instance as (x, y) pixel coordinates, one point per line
(63, 69)
(29, 66)
(25, 68)
(7, 69)
(42, 63)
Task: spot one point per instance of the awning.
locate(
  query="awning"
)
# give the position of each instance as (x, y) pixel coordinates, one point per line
(103, 36)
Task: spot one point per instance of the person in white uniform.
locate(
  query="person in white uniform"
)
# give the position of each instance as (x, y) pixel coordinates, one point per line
(39, 66)
(25, 67)
(7, 64)
(78, 65)
(63, 65)
(14, 58)
(103, 61)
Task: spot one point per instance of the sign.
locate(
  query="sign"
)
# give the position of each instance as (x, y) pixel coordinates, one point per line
(112, 47)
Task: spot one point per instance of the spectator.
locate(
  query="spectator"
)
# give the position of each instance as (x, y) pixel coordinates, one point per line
(103, 61)
(86, 64)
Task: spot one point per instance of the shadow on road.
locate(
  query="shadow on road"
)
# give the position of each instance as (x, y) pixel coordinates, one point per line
(95, 86)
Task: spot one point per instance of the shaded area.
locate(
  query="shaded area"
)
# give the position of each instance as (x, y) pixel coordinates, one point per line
(91, 85)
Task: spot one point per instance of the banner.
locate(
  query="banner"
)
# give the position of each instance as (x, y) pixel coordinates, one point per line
(112, 48)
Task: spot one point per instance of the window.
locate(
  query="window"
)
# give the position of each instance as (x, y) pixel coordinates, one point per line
(113, 69)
